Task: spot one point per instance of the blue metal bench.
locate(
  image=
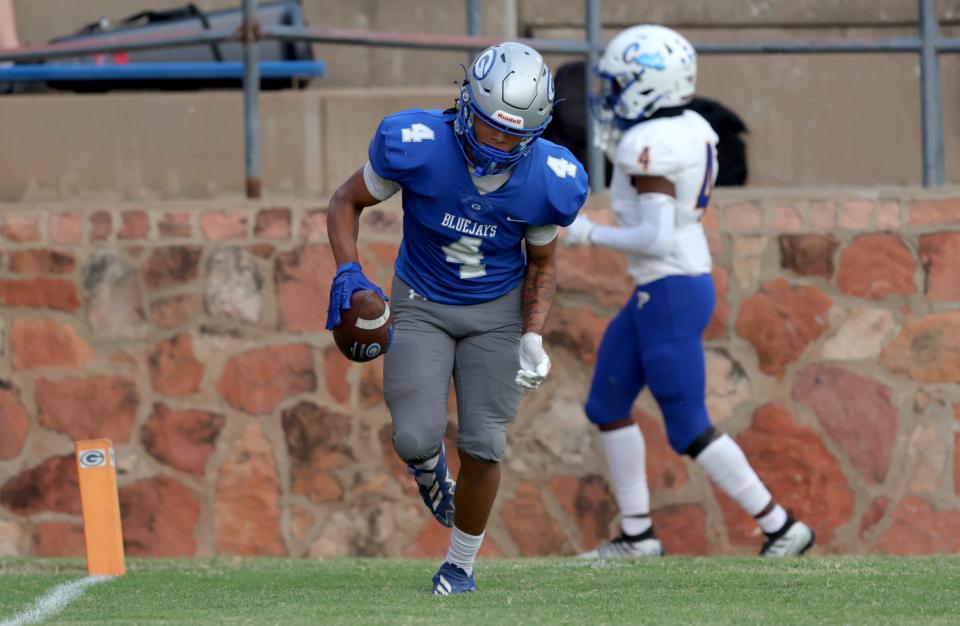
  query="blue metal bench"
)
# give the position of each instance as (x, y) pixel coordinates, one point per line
(157, 71)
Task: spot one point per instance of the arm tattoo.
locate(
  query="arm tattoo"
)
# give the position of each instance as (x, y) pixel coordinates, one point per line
(539, 287)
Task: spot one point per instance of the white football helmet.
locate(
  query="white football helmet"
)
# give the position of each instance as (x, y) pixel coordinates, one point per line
(644, 68)
(508, 86)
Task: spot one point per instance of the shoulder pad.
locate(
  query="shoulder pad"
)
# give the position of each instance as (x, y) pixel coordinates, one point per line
(404, 141)
(648, 150)
(565, 182)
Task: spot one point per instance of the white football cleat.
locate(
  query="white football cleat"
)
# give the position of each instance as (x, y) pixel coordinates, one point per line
(793, 539)
(624, 547)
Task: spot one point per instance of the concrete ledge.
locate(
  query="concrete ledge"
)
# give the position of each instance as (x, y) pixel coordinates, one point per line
(149, 146)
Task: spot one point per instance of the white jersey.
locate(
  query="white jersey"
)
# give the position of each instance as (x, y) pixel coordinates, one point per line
(682, 149)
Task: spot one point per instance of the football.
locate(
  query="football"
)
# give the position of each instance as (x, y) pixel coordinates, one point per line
(366, 328)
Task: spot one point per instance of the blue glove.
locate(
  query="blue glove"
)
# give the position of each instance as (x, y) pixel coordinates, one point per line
(349, 278)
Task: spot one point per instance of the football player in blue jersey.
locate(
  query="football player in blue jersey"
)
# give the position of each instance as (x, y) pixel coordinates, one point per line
(475, 276)
(664, 169)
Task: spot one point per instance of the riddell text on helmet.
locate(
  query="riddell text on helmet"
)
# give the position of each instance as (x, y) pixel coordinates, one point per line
(510, 120)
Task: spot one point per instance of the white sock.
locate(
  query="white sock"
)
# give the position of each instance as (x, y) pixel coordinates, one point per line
(429, 464)
(774, 520)
(727, 466)
(627, 457)
(463, 549)
(635, 524)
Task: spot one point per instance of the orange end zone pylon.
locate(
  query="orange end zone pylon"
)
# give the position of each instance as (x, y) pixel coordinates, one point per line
(102, 533)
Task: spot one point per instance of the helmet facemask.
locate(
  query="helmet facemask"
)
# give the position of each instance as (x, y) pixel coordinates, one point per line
(510, 89)
(617, 96)
(483, 159)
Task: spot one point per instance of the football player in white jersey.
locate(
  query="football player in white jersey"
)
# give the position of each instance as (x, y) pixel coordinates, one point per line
(665, 165)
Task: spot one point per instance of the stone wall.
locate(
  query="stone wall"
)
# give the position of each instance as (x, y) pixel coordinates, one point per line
(192, 336)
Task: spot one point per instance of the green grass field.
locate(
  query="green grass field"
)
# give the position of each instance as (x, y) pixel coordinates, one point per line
(672, 590)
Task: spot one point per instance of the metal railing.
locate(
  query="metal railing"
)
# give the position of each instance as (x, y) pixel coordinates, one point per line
(928, 44)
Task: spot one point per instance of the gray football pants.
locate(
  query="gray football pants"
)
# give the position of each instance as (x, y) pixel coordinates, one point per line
(478, 345)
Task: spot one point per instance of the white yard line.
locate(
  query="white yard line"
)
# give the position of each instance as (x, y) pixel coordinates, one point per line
(54, 601)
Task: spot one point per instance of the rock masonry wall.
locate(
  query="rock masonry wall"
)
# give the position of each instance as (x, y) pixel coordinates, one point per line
(192, 336)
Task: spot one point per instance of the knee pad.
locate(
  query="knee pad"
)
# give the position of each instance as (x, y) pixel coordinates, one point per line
(488, 446)
(412, 449)
(687, 423)
(601, 411)
(594, 410)
(701, 442)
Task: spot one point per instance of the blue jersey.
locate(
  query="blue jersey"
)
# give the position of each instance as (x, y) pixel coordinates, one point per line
(460, 246)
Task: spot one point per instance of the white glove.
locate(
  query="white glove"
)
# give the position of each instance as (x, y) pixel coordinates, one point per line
(534, 362)
(578, 233)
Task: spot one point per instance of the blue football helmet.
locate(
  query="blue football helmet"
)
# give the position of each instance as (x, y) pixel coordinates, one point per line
(509, 87)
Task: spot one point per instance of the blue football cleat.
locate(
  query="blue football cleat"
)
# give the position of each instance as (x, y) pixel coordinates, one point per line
(451, 579)
(436, 489)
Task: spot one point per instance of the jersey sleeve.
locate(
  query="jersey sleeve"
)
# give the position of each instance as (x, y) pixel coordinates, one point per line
(378, 186)
(651, 153)
(566, 186)
(401, 144)
(541, 235)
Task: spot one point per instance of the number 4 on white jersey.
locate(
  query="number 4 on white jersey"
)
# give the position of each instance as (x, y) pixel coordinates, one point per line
(561, 167)
(416, 133)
